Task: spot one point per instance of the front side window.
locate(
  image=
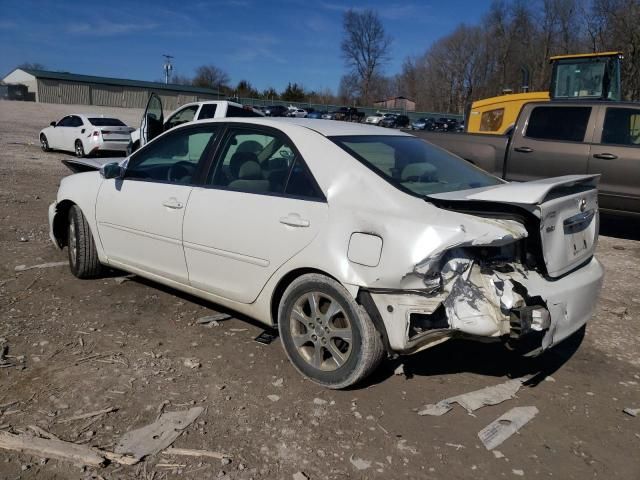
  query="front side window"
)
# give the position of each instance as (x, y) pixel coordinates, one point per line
(65, 122)
(181, 116)
(173, 157)
(568, 124)
(491, 120)
(621, 127)
(414, 165)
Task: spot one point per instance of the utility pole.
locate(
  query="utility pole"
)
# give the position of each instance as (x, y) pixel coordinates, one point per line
(167, 67)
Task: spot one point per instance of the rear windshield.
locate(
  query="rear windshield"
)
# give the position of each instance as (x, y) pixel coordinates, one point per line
(413, 165)
(106, 122)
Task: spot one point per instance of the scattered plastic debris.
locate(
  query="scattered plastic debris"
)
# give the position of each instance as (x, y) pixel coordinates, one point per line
(273, 398)
(479, 398)
(359, 463)
(632, 411)
(503, 427)
(191, 363)
(213, 319)
(399, 370)
(22, 268)
(157, 436)
(266, 337)
(300, 476)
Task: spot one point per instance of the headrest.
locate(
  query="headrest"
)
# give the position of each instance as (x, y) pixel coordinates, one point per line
(238, 159)
(418, 172)
(250, 171)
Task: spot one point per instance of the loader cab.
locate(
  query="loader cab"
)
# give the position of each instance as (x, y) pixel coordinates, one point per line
(591, 76)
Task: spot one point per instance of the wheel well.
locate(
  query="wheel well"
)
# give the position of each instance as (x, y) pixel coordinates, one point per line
(61, 220)
(284, 283)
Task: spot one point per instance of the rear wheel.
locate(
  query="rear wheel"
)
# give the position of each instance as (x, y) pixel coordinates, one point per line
(83, 256)
(328, 337)
(44, 143)
(79, 149)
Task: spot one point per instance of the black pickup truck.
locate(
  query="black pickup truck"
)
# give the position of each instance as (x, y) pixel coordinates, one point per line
(557, 138)
(350, 114)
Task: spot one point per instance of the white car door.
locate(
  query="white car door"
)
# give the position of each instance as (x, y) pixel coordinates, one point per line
(140, 215)
(56, 135)
(260, 207)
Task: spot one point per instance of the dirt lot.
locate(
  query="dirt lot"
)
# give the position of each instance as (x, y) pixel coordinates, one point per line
(82, 346)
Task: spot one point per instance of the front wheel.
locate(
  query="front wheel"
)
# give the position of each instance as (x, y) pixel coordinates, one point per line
(44, 143)
(328, 337)
(83, 256)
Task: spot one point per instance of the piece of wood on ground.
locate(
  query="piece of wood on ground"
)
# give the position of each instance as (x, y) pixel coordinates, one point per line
(503, 427)
(158, 435)
(42, 433)
(88, 415)
(22, 268)
(50, 448)
(195, 453)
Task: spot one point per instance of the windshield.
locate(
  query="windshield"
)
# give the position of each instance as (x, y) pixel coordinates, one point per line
(414, 165)
(106, 122)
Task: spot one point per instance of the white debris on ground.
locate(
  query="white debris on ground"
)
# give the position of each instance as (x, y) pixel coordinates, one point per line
(23, 268)
(634, 412)
(479, 398)
(359, 463)
(506, 425)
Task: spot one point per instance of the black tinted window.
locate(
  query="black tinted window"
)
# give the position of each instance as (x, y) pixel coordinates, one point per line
(65, 122)
(621, 126)
(208, 111)
(106, 122)
(301, 183)
(241, 112)
(567, 124)
(76, 121)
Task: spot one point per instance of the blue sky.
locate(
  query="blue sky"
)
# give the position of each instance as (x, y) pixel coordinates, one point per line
(266, 42)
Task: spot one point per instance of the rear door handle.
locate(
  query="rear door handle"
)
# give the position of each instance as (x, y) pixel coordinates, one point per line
(294, 220)
(523, 149)
(605, 156)
(172, 203)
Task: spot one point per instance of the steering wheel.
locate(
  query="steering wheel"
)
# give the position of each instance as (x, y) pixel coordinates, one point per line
(180, 170)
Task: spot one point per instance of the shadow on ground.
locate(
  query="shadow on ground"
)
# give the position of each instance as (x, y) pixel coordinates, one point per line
(620, 227)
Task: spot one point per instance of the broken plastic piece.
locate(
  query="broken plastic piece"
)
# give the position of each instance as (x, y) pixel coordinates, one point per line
(266, 337)
(22, 268)
(218, 317)
(479, 398)
(632, 411)
(503, 427)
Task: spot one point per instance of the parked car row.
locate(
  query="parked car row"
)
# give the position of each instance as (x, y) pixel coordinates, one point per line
(441, 124)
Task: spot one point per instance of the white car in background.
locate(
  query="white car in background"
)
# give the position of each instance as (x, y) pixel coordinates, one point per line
(86, 134)
(297, 113)
(355, 243)
(189, 113)
(376, 118)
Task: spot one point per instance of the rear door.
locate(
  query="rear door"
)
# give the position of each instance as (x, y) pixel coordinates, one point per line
(259, 208)
(152, 123)
(554, 141)
(615, 154)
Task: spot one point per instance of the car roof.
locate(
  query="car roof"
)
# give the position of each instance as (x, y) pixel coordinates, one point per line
(326, 128)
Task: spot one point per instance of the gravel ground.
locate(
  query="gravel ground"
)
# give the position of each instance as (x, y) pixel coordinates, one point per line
(81, 346)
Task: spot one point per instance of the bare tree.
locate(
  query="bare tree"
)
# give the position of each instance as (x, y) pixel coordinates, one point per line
(210, 76)
(365, 47)
(32, 66)
(181, 80)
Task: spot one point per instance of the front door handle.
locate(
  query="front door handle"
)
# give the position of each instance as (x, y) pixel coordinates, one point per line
(523, 149)
(605, 156)
(172, 203)
(294, 220)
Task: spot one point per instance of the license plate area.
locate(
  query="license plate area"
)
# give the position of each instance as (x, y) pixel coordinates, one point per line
(577, 228)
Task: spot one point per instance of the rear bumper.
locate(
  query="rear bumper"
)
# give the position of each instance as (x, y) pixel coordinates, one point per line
(414, 321)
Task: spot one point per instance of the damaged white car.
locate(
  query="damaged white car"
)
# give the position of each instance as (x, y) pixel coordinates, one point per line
(356, 244)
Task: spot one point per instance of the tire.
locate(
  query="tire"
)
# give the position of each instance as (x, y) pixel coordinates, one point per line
(79, 149)
(44, 143)
(83, 256)
(318, 345)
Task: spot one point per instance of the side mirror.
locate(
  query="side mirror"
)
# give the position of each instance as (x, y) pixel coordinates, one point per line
(53, 124)
(111, 170)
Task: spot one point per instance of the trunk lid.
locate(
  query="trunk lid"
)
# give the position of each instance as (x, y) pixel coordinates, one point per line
(567, 208)
(116, 133)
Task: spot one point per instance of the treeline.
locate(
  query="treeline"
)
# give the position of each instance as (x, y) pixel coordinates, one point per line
(479, 61)
(210, 76)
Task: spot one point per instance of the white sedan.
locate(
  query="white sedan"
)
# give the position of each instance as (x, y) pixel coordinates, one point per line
(357, 244)
(86, 135)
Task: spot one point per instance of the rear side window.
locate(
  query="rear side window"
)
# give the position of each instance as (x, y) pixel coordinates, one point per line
(106, 122)
(491, 121)
(568, 124)
(301, 183)
(241, 112)
(208, 110)
(621, 127)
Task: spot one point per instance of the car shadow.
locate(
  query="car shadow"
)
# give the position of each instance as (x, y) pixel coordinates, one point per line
(619, 226)
(487, 359)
